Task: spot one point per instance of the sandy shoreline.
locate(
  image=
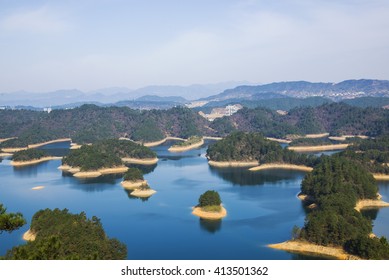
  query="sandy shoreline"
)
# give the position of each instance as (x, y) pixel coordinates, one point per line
(310, 248)
(212, 138)
(6, 139)
(75, 146)
(13, 150)
(318, 148)
(232, 163)
(143, 193)
(157, 143)
(380, 177)
(285, 141)
(5, 154)
(318, 135)
(178, 149)
(92, 173)
(37, 188)
(197, 211)
(29, 236)
(344, 137)
(281, 166)
(49, 142)
(34, 161)
(370, 203)
(144, 161)
(132, 185)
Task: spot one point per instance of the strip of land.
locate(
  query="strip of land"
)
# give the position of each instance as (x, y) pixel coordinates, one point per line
(381, 177)
(157, 143)
(13, 150)
(37, 188)
(75, 146)
(212, 138)
(318, 135)
(344, 137)
(318, 148)
(143, 193)
(298, 246)
(197, 211)
(143, 161)
(232, 163)
(33, 161)
(5, 154)
(178, 149)
(49, 142)
(93, 173)
(285, 141)
(370, 203)
(281, 166)
(6, 139)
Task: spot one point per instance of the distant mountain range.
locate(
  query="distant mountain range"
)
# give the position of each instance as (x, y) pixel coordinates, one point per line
(288, 94)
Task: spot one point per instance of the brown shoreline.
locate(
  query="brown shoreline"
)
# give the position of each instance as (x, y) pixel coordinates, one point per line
(157, 143)
(232, 163)
(380, 177)
(318, 148)
(132, 185)
(29, 235)
(281, 166)
(6, 139)
(143, 193)
(285, 141)
(178, 149)
(32, 162)
(49, 142)
(92, 173)
(197, 211)
(144, 161)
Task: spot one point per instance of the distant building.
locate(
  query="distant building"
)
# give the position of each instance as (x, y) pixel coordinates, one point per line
(229, 110)
(48, 110)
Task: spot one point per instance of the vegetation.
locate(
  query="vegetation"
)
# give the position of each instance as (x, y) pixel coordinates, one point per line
(240, 146)
(61, 235)
(191, 141)
(133, 174)
(335, 185)
(29, 154)
(105, 154)
(311, 142)
(209, 199)
(10, 221)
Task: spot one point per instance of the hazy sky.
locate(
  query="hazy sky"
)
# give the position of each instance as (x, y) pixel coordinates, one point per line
(89, 44)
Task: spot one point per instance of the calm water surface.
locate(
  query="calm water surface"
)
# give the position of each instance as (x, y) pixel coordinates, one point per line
(262, 206)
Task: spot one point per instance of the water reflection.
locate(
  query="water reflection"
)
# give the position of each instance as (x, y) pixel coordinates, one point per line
(146, 169)
(244, 177)
(210, 226)
(98, 184)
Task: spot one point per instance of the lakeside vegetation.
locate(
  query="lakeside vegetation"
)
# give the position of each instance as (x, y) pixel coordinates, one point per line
(10, 221)
(210, 201)
(106, 154)
(190, 141)
(335, 185)
(245, 147)
(133, 174)
(61, 235)
(29, 154)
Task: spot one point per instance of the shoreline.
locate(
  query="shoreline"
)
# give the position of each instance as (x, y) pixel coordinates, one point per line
(370, 203)
(92, 173)
(49, 142)
(212, 138)
(13, 150)
(6, 139)
(5, 154)
(145, 161)
(157, 143)
(310, 248)
(178, 149)
(267, 166)
(197, 211)
(232, 163)
(279, 140)
(132, 185)
(34, 161)
(317, 135)
(143, 193)
(344, 137)
(318, 148)
(380, 177)
(29, 235)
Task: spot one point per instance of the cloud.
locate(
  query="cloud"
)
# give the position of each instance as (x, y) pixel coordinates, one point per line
(39, 20)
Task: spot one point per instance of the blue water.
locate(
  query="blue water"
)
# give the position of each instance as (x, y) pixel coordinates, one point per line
(262, 206)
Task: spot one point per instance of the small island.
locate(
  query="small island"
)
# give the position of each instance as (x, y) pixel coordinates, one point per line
(104, 157)
(191, 143)
(241, 149)
(210, 206)
(133, 180)
(30, 157)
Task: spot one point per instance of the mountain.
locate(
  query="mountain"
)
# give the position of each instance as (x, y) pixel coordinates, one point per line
(300, 89)
(156, 98)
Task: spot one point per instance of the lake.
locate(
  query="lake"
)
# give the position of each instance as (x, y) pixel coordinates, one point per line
(262, 206)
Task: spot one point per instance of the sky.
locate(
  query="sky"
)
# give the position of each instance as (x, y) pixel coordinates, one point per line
(91, 44)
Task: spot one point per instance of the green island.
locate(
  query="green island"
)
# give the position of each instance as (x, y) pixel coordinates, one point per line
(239, 148)
(59, 235)
(332, 191)
(133, 180)
(104, 157)
(210, 206)
(29, 157)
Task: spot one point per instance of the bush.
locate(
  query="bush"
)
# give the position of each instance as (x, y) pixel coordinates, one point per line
(133, 174)
(209, 198)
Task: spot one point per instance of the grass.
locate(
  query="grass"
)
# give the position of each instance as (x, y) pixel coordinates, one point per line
(212, 208)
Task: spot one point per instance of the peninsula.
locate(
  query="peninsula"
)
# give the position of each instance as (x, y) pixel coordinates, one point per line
(191, 143)
(30, 157)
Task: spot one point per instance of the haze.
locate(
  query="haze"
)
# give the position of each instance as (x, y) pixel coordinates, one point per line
(49, 45)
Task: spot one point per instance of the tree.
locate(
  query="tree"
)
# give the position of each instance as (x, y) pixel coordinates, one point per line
(10, 221)
(210, 198)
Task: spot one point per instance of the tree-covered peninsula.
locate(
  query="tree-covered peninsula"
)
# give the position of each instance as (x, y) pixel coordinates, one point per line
(60, 235)
(29, 154)
(105, 154)
(253, 147)
(335, 186)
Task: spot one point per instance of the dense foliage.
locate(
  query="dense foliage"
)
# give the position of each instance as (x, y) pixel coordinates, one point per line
(10, 221)
(335, 185)
(133, 174)
(29, 154)
(312, 142)
(62, 235)
(105, 154)
(210, 198)
(240, 146)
